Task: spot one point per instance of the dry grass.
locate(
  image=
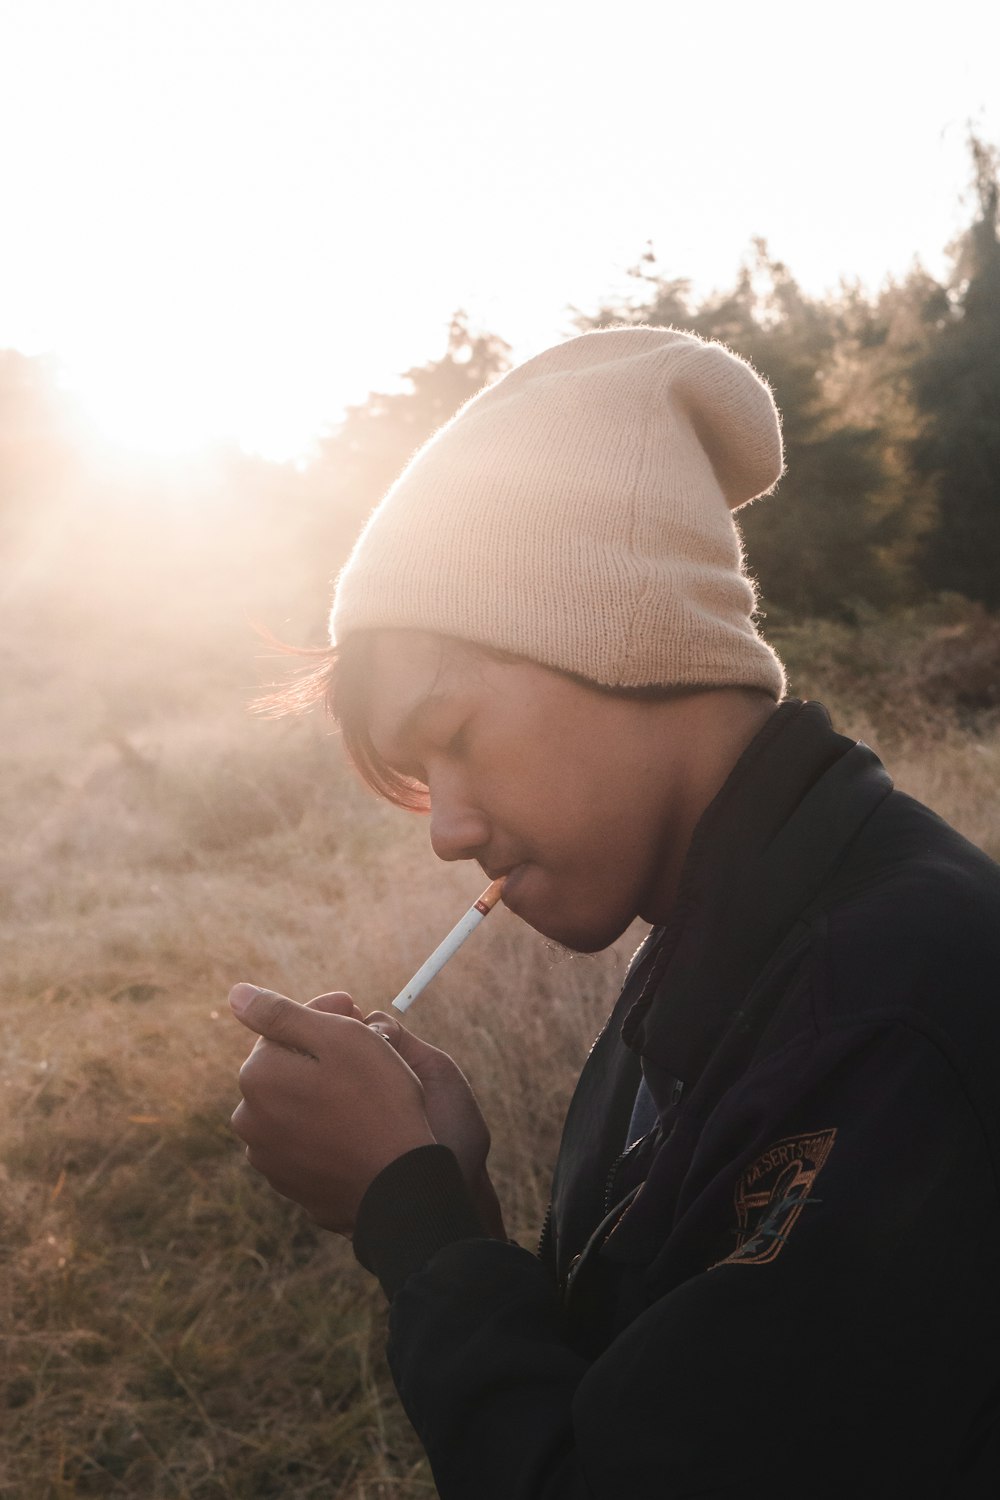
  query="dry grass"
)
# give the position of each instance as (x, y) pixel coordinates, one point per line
(171, 1329)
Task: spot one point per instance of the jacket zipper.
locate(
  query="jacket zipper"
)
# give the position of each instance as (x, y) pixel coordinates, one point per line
(600, 1234)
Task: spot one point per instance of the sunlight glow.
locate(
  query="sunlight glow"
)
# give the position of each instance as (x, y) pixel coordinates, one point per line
(229, 218)
(149, 412)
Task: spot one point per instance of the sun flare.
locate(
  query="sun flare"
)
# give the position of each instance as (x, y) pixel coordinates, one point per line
(155, 402)
(230, 221)
(143, 414)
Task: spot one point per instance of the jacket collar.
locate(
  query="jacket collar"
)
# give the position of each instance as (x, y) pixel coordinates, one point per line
(792, 804)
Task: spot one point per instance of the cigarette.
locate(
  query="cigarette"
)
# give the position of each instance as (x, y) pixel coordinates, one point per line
(451, 944)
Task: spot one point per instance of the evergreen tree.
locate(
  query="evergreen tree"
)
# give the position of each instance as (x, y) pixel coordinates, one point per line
(879, 341)
(957, 390)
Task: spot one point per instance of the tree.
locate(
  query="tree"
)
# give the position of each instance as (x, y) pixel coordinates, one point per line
(879, 341)
(957, 391)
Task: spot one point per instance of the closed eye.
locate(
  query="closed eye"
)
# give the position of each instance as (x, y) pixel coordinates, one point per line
(432, 742)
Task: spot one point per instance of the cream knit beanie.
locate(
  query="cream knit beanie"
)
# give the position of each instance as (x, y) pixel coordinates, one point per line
(577, 513)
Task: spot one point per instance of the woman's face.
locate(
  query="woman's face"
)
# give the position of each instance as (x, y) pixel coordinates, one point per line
(569, 792)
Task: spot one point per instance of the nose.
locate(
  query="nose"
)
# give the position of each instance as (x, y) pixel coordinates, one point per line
(459, 830)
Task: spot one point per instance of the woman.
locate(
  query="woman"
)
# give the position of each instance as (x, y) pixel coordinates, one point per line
(769, 1262)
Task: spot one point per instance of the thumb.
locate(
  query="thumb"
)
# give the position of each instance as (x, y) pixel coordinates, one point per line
(275, 1017)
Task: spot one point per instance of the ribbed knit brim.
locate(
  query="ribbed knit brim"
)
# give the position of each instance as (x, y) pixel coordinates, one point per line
(578, 513)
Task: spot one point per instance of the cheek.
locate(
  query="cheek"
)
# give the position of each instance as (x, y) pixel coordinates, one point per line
(558, 795)
(610, 865)
(593, 831)
(582, 895)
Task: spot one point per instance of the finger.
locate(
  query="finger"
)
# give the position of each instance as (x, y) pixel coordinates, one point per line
(245, 1124)
(239, 1120)
(275, 1017)
(272, 1071)
(412, 1049)
(387, 1026)
(336, 1003)
(429, 1063)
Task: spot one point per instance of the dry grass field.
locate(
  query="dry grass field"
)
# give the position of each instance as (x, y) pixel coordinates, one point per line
(172, 1330)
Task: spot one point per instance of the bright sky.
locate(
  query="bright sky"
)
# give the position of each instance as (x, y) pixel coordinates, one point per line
(230, 217)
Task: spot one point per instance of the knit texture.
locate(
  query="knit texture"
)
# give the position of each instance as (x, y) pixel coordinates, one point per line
(578, 513)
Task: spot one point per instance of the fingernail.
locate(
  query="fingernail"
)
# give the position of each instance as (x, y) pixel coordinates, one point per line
(241, 995)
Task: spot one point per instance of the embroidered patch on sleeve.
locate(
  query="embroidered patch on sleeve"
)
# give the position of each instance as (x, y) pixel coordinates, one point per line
(772, 1192)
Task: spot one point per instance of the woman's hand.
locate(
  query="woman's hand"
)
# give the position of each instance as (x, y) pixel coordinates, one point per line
(452, 1111)
(326, 1103)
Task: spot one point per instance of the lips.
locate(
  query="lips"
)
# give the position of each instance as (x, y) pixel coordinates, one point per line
(511, 876)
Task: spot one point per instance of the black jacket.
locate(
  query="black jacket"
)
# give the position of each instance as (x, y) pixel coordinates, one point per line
(790, 1287)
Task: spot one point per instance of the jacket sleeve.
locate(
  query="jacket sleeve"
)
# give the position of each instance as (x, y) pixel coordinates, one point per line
(848, 1345)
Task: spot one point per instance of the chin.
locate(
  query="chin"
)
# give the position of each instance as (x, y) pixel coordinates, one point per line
(574, 928)
(578, 936)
